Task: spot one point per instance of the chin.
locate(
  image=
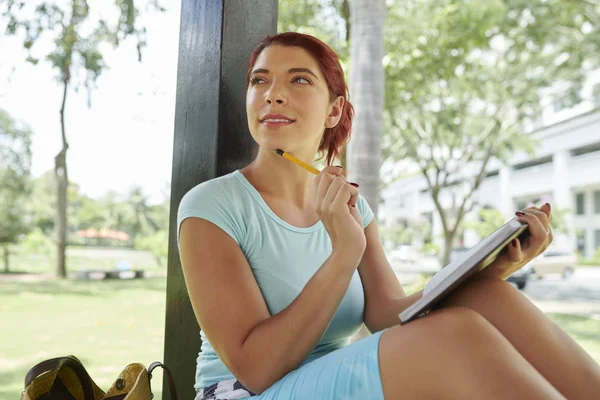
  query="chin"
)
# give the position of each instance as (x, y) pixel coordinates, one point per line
(272, 144)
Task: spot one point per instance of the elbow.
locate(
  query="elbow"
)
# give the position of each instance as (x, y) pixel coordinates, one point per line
(253, 375)
(254, 381)
(375, 321)
(373, 327)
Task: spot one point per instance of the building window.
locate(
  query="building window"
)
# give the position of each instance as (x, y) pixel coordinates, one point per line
(581, 242)
(597, 202)
(570, 100)
(580, 203)
(596, 94)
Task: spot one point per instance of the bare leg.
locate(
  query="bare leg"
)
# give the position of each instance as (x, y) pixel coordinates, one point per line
(547, 347)
(456, 354)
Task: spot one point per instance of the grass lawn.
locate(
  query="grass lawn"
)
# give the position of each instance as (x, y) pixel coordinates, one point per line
(82, 258)
(108, 324)
(584, 330)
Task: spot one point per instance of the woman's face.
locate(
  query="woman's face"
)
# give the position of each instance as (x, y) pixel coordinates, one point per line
(287, 101)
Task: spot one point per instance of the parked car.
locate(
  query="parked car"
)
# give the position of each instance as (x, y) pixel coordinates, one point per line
(554, 262)
(521, 276)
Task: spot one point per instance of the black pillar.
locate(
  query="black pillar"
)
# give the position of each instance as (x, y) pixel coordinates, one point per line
(211, 138)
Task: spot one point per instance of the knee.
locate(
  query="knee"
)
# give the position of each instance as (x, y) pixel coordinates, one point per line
(446, 326)
(494, 286)
(483, 291)
(455, 334)
(460, 324)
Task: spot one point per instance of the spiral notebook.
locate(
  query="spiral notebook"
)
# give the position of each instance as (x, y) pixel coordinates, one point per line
(469, 263)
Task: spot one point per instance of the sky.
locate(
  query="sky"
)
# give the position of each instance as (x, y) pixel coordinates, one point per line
(126, 137)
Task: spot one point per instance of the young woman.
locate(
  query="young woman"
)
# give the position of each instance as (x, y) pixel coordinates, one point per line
(282, 268)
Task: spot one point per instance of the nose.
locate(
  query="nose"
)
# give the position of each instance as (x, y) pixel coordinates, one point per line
(275, 94)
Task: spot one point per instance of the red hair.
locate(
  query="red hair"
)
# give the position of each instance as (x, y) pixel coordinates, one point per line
(329, 63)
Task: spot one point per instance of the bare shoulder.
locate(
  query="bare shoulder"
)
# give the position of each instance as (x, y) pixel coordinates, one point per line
(226, 299)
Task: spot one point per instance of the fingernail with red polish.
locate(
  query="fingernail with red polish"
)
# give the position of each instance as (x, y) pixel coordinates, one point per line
(514, 242)
(354, 184)
(519, 214)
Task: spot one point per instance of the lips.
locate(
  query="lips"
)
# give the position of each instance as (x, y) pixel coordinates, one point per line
(276, 118)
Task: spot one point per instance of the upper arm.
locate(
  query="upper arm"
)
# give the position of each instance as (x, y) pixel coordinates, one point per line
(380, 283)
(225, 297)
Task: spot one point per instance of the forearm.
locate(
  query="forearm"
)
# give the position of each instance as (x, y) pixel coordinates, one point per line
(279, 344)
(386, 317)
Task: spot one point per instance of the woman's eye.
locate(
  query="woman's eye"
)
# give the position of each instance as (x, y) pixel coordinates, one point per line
(255, 80)
(301, 79)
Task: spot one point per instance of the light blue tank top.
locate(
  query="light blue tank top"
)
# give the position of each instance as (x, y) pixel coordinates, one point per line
(282, 258)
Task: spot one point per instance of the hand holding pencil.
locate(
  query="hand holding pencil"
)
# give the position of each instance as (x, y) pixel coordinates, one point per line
(304, 165)
(336, 206)
(296, 161)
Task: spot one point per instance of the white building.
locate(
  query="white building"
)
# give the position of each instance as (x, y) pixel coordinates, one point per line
(566, 173)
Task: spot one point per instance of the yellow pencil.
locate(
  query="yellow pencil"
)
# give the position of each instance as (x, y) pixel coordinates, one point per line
(293, 159)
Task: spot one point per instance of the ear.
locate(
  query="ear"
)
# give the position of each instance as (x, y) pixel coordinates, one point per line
(335, 112)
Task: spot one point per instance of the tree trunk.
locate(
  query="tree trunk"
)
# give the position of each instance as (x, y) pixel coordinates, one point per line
(363, 153)
(448, 243)
(6, 258)
(367, 94)
(62, 183)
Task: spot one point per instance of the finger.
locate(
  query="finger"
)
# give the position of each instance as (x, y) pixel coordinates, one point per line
(328, 172)
(354, 191)
(542, 216)
(325, 180)
(332, 192)
(333, 170)
(356, 214)
(340, 203)
(515, 253)
(341, 198)
(537, 231)
(547, 209)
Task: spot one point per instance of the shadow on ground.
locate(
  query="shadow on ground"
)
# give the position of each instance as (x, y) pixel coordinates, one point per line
(80, 288)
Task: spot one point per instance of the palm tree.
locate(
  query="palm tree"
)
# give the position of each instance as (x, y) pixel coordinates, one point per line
(143, 222)
(363, 154)
(367, 94)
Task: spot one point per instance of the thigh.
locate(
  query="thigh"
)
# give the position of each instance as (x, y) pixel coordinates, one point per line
(455, 353)
(348, 373)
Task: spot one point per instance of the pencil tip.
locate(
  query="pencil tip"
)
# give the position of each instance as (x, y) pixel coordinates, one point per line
(279, 151)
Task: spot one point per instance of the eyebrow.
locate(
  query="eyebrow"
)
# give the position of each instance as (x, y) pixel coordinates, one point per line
(290, 71)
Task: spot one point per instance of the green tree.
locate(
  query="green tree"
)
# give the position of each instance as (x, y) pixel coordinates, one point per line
(87, 213)
(465, 77)
(142, 222)
(157, 244)
(329, 20)
(15, 165)
(414, 230)
(41, 206)
(116, 211)
(77, 60)
(489, 220)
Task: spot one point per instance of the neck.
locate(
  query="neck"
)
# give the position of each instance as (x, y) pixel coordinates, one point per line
(274, 176)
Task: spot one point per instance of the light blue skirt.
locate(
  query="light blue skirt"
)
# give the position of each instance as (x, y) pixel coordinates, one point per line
(350, 373)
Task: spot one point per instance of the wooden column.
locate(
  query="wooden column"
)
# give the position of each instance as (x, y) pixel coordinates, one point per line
(211, 138)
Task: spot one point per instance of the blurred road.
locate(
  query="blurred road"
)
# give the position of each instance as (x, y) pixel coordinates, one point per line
(579, 294)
